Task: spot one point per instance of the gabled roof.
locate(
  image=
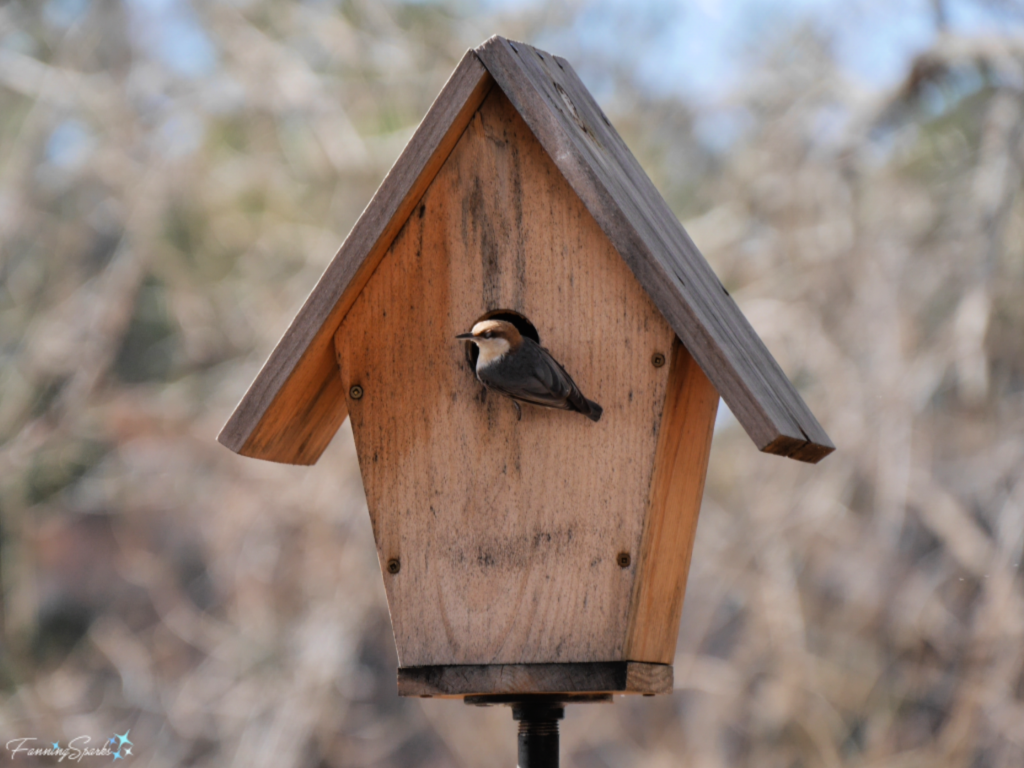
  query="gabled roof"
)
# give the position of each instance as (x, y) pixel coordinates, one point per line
(295, 405)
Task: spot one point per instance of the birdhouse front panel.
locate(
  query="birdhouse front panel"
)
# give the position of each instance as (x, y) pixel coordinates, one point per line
(546, 554)
(506, 541)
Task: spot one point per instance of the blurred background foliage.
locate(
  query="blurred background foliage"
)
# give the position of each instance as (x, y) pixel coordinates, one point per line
(175, 174)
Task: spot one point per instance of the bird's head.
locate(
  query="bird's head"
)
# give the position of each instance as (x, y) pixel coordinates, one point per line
(495, 338)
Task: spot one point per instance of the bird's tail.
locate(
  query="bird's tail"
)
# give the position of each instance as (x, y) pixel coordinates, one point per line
(577, 402)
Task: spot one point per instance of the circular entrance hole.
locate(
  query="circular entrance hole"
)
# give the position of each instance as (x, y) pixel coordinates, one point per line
(521, 322)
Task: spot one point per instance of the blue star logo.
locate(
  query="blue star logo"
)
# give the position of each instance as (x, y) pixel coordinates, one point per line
(112, 740)
(56, 745)
(117, 755)
(122, 739)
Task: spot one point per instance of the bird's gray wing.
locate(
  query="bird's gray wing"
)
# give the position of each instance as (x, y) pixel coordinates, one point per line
(539, 380)
(566, 387)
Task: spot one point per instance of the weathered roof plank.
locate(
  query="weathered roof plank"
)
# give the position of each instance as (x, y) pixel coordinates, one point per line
(607, 177)
(295, 405)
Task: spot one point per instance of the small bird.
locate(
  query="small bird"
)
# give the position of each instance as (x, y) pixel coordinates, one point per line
(517, 366)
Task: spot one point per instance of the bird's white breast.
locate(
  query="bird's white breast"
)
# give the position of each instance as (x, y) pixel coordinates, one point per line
(491, 350)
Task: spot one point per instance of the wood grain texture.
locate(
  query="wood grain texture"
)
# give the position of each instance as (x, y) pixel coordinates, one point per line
(474, 680)
(684, 445)
(603, 172)
(507, 531)
(296, 403)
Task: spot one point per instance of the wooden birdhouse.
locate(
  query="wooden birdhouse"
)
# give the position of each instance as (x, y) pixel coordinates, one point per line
(546, 554)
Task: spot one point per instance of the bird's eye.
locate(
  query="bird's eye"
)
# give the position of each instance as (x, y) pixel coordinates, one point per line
(487, 334)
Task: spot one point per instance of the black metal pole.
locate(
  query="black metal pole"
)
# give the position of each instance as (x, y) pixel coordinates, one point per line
(538, 732)
(538, 715)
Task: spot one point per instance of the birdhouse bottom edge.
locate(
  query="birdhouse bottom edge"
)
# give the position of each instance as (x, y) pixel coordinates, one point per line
(571, 679)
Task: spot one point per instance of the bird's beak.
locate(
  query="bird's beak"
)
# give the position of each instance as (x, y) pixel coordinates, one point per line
(466, 336)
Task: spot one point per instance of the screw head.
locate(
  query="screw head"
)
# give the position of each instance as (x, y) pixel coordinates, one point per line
(623, 559)
(394, 566)
(356, 392)
(657, 359)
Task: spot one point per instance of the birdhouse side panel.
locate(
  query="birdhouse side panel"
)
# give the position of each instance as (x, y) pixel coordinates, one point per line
(504, 541)
(680, 469)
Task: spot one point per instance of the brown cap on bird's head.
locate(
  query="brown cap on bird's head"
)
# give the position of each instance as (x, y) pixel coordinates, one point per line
(494, 329)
